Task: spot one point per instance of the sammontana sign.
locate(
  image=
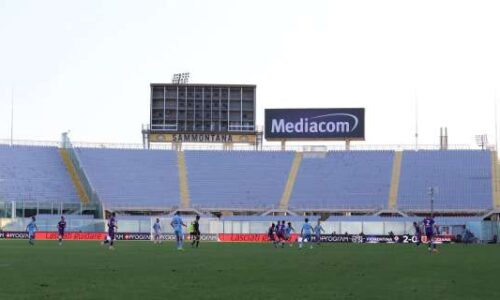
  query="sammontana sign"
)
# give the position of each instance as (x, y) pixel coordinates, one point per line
(317, 123)
(202, 138)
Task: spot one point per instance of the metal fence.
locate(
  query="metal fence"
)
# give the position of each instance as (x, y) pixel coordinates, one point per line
(356, 146)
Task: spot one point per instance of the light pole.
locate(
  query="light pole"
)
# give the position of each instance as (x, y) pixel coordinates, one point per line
(432, 191)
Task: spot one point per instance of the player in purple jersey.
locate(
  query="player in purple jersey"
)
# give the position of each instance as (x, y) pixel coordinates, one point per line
(112, 227)
(61, 226)
(430, 229)
(418, 233)
(270, 234)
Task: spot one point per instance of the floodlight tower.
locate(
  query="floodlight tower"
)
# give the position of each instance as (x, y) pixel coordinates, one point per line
(482, 141)
(180, 78)
(432, 191)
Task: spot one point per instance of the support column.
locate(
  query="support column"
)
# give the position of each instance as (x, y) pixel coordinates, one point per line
(283, 145)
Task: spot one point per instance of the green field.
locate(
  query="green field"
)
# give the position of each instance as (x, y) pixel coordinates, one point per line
(141, 270)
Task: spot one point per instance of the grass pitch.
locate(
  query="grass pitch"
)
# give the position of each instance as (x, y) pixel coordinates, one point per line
(141, 270)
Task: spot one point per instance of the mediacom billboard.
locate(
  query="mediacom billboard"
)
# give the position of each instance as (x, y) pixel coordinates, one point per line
(315, 123)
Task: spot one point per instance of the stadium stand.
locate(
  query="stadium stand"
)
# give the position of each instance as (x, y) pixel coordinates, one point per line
(34, 174)
(439, 220)
(237, 179)
(133, 179)
(344, 180)
(137, 179)
(462, 179)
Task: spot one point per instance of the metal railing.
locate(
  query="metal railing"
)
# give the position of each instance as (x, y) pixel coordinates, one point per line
(242, 147)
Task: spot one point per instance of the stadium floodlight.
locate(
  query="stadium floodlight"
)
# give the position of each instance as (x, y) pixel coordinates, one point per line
(432, 192)
(180, 78)
(482, 141)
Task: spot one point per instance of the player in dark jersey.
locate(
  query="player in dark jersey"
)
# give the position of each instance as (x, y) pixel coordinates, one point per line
(270, 234)
(430, 230)
(112, 227)
(418, 233)
(196, 234)
(61, 226)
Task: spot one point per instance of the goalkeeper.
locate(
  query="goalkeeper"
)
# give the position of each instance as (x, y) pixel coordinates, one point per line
(195, 232)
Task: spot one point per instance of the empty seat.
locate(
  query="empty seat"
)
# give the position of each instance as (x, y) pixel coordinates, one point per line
(344, 180)
(34, 174)
(132, 179)
(461, 178)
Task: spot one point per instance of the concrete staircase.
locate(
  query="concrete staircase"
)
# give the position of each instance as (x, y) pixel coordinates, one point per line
(292, 176)
(183, 180)
(396, 174)
(80, 190)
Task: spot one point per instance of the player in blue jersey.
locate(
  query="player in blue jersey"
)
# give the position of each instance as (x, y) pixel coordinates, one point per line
(280, 233)
(317, 232)
(306, 233)
(157, 232)
(61, 226)
(112, 227)
(177, 224)
(418, 233)
(31, 229)
(288, 232)
(430, 230)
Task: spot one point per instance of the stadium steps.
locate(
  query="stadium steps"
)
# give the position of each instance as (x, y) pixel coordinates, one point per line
(495, 169)
(84, 198)
(183, 180)
(292, 176)
(396, 175)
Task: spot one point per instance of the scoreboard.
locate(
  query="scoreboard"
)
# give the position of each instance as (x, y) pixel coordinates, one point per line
(202, 113)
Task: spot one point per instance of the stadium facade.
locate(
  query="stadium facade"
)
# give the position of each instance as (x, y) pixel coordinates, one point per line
(162, 177)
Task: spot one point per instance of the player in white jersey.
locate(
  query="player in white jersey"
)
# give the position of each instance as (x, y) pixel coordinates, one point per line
(157, 232)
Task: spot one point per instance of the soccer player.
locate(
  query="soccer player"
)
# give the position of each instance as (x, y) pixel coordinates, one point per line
(429, 226)
(317, 232)
(177, 224)
(281, 233)
(288, 232)
(196, 234)
(418, 233)
(305, 233)
(157, 232)
(31, 229)
(270, 234)
(60, 229)
(112, 226)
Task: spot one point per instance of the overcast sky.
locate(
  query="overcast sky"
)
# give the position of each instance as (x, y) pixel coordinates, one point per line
(86, 66)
